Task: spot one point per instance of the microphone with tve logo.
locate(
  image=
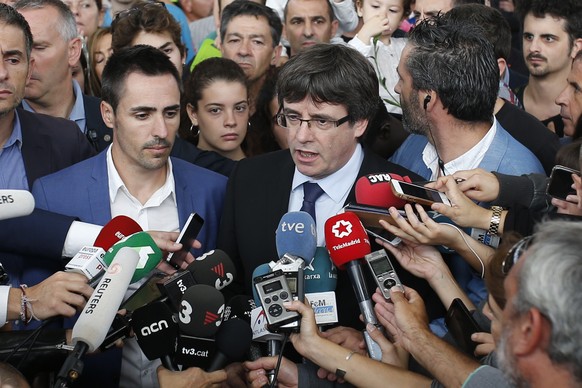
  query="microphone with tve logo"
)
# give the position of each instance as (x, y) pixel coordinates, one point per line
(15, 203)
(347, 243)
(93, 323)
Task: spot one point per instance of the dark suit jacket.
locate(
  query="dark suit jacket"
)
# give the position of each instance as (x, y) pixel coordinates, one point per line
(49, 144)
(258, 196)
(98, 134)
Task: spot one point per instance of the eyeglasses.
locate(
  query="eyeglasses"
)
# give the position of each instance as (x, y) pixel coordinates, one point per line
(293, 121)
(515, 253)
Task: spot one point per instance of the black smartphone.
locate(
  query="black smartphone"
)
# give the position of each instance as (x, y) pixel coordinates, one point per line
(187, 236)
(383, 235)
(370, 215)
(560, 184)
(462, 325)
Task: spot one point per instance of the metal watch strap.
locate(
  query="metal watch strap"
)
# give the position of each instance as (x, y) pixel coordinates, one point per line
(495, 220)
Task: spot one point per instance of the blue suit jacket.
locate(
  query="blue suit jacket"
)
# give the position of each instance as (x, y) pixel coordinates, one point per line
(82, 191)
(505, 155)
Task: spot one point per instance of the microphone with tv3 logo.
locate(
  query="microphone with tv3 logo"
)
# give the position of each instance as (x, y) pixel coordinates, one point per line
(156, 331)
(89, 260)
(376, 190)
(347, 242)
(199, 318)
(15, 203)
(91, 327)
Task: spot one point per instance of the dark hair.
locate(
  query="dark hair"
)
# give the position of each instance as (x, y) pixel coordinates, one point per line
(456, 61)
(148, 17)
(250, 8)
(569, 155)
(142, 59)
(494, 25)
(330, 12)
(67, 26)
(11, 17)
(570, 10)
(204, 74)
(457, 3)
(334, 74)
(406, 6)
(494, 275)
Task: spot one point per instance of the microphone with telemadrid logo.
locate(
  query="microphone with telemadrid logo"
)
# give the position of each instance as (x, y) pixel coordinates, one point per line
(347, 243)
(89, 260)
(91, 327)
(233, 341)
(15, 203)
(156, 330)
(199, 319)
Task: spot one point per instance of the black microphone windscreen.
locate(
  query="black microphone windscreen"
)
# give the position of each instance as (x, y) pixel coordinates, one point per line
(156, 330)
(201, 311)
(214, 268)
(234, 339)
(239, 306)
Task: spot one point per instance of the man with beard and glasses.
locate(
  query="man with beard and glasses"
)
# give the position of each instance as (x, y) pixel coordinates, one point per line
(136, 177)
(552, 35)
(449, 79)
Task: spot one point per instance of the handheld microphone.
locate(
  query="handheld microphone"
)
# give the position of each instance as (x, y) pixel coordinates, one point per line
(149, 253)
(93, 323)
(214, 268)
(296, 235)
(347, 242)
(15, 203)
(89, 260)
(376, 190)
(199, 319)
(320, 283)
(156, 330)
(239, 306)
(233, 340)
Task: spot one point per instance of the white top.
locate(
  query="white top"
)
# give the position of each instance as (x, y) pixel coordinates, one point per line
(468, 161)
(385, 62)
(337, 186)
(4, 293)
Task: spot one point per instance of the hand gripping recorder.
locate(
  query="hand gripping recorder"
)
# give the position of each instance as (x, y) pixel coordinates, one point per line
(273, 290)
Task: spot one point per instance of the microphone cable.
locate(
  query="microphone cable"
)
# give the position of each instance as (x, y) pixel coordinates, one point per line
(279, 359)
(32, 337)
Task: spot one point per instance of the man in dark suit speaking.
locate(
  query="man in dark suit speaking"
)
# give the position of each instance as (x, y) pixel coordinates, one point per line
(327, 96)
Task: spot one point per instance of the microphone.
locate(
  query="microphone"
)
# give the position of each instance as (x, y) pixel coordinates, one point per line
(149, 253)
(375, 190)
(240, 307)
(296, 235)
(199, 319)
(233, 340)
(89, 260)
(347, 242)
(15, 203)
(156, 330)
(261, 270)
(214, 268)
(91, 327)
(320, 283)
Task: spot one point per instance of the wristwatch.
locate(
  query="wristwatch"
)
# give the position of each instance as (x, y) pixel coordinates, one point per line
(495, 220)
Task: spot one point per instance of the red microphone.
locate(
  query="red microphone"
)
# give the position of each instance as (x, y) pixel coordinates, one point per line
(118, 228)
(347, 242)
(376, 190)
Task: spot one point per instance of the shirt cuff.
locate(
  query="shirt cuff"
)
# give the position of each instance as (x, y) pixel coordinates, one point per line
(80, 234)
(4, 294)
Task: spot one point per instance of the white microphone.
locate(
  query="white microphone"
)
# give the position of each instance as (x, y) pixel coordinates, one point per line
(95, 320)
(15, 203)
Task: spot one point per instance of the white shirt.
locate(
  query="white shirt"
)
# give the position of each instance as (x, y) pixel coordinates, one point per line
(468, 161)
(337, 186)
(160, 212)
(4, 294)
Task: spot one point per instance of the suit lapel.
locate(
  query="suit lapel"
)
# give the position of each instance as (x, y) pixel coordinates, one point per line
(99, 191)
(36, 154)
(280, 189)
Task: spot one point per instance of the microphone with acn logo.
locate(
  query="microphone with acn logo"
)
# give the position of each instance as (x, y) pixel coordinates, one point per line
(347, 243)
(15, 203)
(95, 319)
(199, 318)
(156, 330)
(375, 190)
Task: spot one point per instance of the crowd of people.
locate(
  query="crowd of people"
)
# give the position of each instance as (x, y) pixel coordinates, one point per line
(242, 111)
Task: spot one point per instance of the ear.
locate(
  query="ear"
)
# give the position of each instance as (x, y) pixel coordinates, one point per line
(107, 113)
(31, 64)
(75, 48)
(502, 64)
(334, 27)
(360, 127)
(532, 332)
(428, 99)
(577, 46)
(101, 16)
(276, 54)
(192, 114)
(359, 8)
